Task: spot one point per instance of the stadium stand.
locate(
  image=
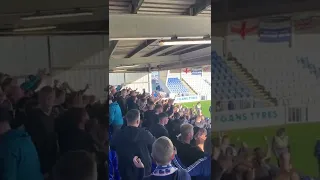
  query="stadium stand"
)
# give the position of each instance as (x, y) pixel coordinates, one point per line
(199, 85)
(226, 86)
(176, 86)
(287, 81)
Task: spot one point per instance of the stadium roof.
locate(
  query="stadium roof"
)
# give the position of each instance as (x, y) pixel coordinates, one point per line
(161, 7)
(83, 17)
(136, 27)
(228, 10)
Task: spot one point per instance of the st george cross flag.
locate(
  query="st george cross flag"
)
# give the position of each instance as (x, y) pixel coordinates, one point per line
(244, 28)
(186, 70)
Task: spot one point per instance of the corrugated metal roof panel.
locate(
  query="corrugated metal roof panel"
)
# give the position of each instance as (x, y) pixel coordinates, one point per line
(166, 7)
(156, 7)
(119, 6)
(124, 47)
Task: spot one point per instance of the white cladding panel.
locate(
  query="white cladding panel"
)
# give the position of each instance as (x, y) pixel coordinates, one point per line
(68, 51)
(21, 56)
(137, 81)
(83, 59)
(307, 45)
(116, 78)
(136, 77)
(87, 58)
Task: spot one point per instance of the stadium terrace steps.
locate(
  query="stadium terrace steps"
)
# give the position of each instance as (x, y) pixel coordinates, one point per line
(227, 85)
(245, 77)
(188, 87)
(198, 85)
(176, 86)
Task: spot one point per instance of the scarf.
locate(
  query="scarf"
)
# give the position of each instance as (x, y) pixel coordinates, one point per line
(164, 170)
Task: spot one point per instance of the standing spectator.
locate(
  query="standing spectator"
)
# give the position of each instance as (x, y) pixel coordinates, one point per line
(132, 101)
(200, 138)
(18, 156)
(280, 143)
(122, 101)
(169, 108)
(76, 138)
(75, 165)
(163, 152)
(185, 149)
(149, 115)
(115, 114)
(132, 141)
(158, 129)
(40, 126)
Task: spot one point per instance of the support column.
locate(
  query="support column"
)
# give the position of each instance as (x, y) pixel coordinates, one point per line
(149, 78)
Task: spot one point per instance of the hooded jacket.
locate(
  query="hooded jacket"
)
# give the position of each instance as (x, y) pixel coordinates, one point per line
(18, 157)
(115, 114)
(129, 142)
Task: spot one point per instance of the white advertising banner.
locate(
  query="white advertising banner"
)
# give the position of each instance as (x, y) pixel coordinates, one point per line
(248, 118)
(183, 99)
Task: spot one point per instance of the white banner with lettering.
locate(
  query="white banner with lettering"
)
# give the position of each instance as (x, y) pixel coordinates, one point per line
(183, 99)
(248, 118)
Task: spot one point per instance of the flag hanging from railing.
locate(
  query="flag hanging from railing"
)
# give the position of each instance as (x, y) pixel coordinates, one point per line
(244, 28)
(275, 29)
(303, 23)
(196, 71)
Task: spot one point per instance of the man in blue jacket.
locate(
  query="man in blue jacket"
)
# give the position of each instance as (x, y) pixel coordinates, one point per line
(18, 156)
(115, 114)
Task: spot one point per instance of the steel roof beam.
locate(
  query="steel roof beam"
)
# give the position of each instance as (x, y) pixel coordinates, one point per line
(143, 27)
(199, 7)
(162, 48)
(112, 47)
(135, 6)
(195, 48)
(175, 50)
(142, 60)
(140, 47)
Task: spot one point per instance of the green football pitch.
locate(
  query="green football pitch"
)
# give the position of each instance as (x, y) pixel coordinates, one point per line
(302, 139)
(205, 105)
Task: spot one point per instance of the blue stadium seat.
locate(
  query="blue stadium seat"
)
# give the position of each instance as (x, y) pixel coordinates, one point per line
(226, 86)
(176, 86)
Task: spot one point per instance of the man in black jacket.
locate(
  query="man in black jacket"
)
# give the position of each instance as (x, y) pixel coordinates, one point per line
(187, 153)
(132, 141)
(158, 129)
(149, 115)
